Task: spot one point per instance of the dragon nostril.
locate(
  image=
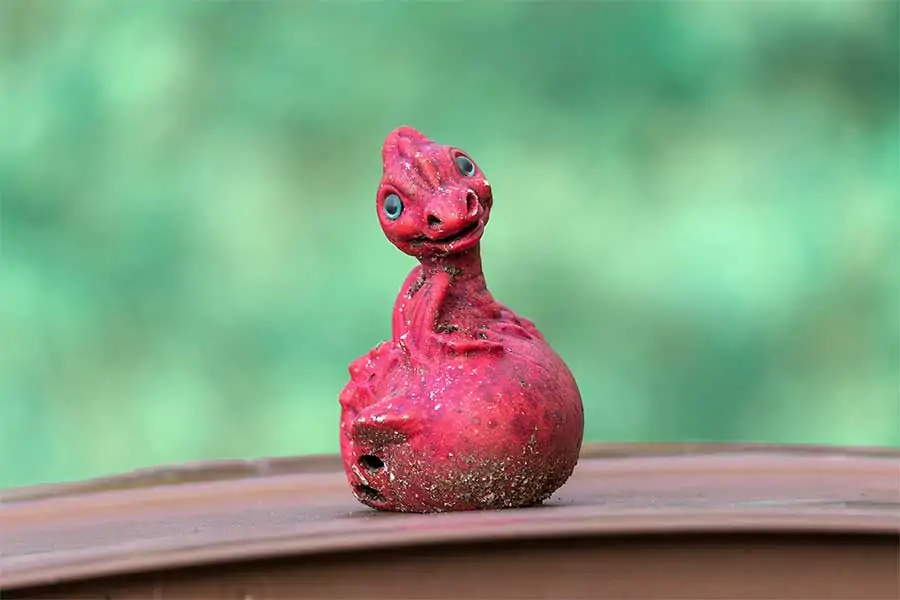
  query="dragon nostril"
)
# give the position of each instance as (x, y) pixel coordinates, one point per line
(471, 203)
(434, 222)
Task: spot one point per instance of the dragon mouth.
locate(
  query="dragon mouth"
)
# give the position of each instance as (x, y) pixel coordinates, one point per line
(459, 235)
(459, 240)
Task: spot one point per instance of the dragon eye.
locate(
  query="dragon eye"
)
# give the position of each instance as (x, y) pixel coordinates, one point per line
(465, 165)
(393, 206)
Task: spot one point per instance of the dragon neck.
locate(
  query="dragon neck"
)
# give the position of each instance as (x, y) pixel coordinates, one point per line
(465, 267)
(468, 298)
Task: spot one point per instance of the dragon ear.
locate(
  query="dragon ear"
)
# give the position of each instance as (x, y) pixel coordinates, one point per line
(378, 425)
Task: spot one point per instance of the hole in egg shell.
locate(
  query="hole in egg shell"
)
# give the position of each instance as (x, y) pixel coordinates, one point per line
(370, 462)
(368, 493)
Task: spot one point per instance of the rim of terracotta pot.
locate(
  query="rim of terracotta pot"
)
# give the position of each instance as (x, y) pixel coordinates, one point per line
(226, 511)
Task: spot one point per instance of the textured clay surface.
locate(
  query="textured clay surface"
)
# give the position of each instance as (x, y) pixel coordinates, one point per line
(467, 406)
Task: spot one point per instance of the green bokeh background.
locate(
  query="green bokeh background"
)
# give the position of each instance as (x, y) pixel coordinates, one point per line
(697, 203)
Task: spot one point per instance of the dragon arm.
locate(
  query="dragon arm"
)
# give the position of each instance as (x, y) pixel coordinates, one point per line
(399, 320)
(422, 311)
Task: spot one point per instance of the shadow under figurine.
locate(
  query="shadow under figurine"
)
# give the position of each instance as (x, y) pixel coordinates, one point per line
(467, 406)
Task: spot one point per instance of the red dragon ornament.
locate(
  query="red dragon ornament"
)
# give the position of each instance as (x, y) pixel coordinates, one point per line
(467, 406)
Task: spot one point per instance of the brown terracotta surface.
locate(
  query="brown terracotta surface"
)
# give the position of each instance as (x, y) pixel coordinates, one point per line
(635, 521)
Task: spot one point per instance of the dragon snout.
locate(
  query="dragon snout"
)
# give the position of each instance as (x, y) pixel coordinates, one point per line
(449, 218)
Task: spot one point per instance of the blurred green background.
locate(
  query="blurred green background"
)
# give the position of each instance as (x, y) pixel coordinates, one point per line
(697, 203)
